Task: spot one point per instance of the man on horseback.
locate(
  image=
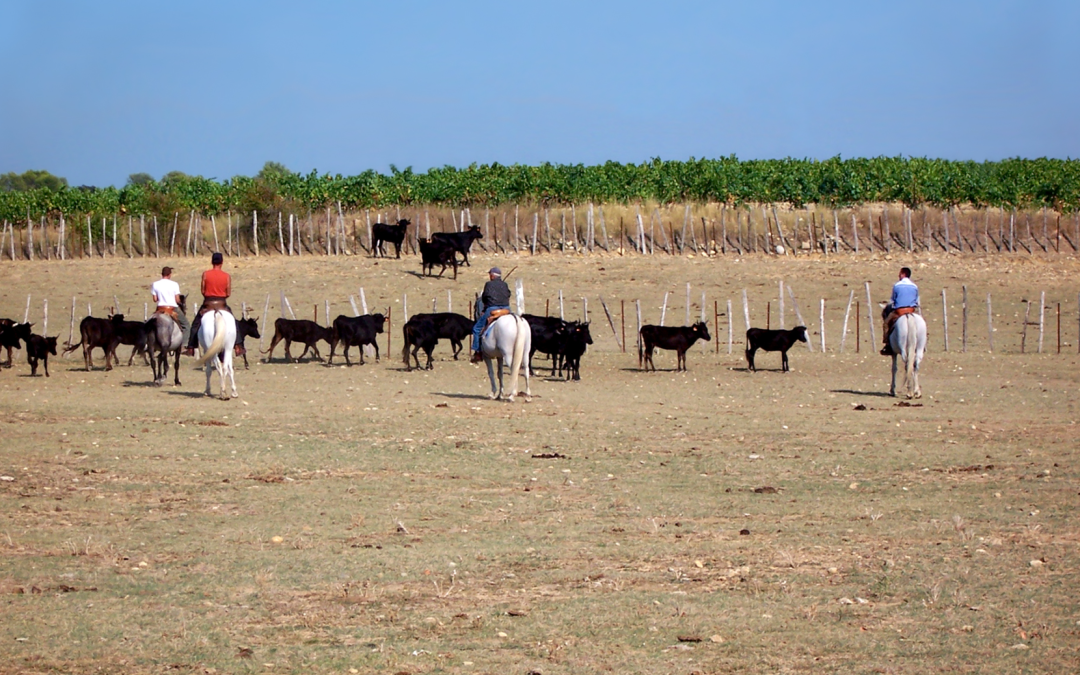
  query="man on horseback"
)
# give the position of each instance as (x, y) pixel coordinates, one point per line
(216, 289)
(496, 296)
(905, 300)
(166, 294)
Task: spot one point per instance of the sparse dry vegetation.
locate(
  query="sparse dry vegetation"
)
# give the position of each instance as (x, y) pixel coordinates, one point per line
(370, 520)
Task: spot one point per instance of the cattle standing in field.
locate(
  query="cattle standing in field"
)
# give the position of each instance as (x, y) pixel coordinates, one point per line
(669, 337)
(773, 341)
(11, 334)
(461, 242)
(245, 328)
(132, 333)
(95, 333)
(577, 340)
(356, 331)
(548, 337)
(299, 330)
(450, 326)
(38, 347)
(419, 333)
(382, 233)
(434, 253)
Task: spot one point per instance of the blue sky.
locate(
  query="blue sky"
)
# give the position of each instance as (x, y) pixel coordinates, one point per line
(95, 91)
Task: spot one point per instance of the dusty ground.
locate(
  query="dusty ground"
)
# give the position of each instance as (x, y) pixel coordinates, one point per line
(372, 520)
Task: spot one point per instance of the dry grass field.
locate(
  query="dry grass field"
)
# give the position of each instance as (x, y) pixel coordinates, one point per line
(373, 520)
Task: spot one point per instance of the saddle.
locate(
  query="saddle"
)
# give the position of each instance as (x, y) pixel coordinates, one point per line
(169, 312)
(904, 310)
(495, 314)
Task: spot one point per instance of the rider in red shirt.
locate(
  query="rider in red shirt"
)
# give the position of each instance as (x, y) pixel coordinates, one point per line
(216, 289)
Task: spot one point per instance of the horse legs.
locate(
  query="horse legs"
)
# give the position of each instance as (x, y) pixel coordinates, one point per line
(227, 369)
(892, 386)
(750, 359)
(208, 368)
(495, 391)
(783, 361)
(176, 365)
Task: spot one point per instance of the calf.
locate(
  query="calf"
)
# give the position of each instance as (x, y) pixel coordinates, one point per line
(12, 335)
(577, 340)
(302, 330)
(549, 335)
(434, 253)
(451, 326)
(356, 331)
(131, 333)
(245, 328)
(382, 233)
(419, 333)
(670, 337)
(95, 333)
(38, 347)
(772, 341)
(461, 242)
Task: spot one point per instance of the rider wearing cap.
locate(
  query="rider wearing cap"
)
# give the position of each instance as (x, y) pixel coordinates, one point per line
(496, 295)
(216, 289)
(905, 300)
(166, 293)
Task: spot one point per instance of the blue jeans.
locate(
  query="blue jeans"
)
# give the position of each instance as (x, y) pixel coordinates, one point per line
(479, 327)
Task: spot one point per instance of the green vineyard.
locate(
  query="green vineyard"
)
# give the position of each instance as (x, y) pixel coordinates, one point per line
(712, 205)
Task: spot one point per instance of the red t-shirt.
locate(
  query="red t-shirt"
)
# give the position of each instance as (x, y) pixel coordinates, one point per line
(215, 284)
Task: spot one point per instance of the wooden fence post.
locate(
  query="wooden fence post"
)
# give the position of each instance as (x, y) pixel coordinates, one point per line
(945, 318)
(990, 322)
(847, 312)
(798, 315)
(870, 315)
(1023, 333)
(266, 310)
(1042, 318)
(821, 319)
(963, 347)
(637, 304)
(745, 310)
(730, 326)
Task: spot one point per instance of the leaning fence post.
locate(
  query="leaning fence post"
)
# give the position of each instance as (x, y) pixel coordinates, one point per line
(990, 322)
(611, 322)
(663, 308)
(847, 312)
(798, 315)
(945, 318)
(745, 310)
(266, 310)
(26, 314)
(782, 326)
(45, 319)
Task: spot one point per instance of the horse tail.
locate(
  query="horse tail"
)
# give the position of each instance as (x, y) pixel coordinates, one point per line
(519, 352)
(219, 340)
(911, 345)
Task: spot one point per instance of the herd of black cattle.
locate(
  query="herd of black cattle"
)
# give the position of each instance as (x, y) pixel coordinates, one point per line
(564, 341)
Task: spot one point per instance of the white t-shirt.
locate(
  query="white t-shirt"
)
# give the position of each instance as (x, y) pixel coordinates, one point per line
(165, 292)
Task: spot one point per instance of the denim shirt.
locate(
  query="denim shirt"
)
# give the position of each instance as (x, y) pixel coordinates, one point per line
(905, 294)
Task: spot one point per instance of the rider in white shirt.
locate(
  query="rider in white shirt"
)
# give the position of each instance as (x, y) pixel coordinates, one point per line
(166, 294)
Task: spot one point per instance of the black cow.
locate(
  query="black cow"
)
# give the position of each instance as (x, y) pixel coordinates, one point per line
(459, 241)
(382, 233)
(419, 333)
(577, 340)
(299, 330)
(38, 347)
(772, 341)
(548, 337)
(245, 328)
(356, 331)
(12, 335)
(451, 326)
(670, 337)
(132, 333)
(95, 333)
(434, 253)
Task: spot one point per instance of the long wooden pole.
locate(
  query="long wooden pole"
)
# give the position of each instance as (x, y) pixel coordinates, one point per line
(637, 305)
(730, 327)
(821, 321)
(847, 312)
(964, 334)
(945, 318)
(989, 322)
(1042, 318)
(870, 314)
(745, 310)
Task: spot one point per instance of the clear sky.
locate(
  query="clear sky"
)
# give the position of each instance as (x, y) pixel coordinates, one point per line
(95, 91)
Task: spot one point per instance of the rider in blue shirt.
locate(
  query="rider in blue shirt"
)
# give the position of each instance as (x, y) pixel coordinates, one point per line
(496, 295)
(905, 300)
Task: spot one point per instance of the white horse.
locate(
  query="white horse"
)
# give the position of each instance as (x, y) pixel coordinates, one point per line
(908, 342)
(508, 338)
(217, 335)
